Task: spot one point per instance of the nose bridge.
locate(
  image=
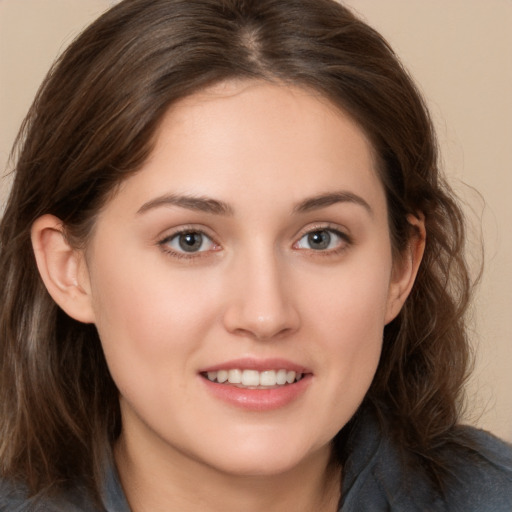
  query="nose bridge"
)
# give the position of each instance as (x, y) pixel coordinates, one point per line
(262, 305)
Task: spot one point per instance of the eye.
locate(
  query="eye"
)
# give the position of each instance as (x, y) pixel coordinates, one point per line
(188, 242)
(322, 240)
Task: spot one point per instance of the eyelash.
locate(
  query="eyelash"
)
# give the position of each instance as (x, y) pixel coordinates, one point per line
(164, 244)
(345, 242)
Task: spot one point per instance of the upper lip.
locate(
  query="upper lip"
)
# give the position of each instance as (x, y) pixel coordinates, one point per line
(249, 363)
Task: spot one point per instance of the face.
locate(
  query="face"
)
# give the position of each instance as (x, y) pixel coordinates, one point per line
(241, 281)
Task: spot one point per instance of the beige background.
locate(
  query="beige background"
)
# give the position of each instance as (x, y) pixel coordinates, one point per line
(460, 53)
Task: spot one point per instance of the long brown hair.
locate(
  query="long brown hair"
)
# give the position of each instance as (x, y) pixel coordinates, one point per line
(92, 124)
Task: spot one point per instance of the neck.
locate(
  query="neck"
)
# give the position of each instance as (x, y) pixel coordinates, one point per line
(152, 483)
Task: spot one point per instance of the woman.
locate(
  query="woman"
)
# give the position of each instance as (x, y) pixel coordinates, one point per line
(232, 275)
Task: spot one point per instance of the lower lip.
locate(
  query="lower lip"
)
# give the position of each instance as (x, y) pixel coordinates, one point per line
(258, 399)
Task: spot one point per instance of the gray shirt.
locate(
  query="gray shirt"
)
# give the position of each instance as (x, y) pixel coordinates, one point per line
(375, 479)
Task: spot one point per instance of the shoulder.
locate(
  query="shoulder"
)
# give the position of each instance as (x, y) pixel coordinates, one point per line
(14, 498)
(475, 473)
(481, 470)
(74, 498)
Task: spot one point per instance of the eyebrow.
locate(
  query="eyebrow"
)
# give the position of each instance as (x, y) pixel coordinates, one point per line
(328, 199)
(201, 204)
(216, 207)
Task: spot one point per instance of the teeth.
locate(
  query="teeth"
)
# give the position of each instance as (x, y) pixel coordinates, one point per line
(250, 378)
(253, 378)
(235, 376)
(268, 378)
(281, 377)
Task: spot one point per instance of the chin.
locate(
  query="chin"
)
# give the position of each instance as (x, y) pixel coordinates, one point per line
(259, 459)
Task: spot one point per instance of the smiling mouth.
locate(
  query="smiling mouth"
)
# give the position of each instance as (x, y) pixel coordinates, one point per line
(254, 379)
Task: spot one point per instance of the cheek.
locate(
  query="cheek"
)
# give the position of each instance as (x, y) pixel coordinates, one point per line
(348, 320)
(351, 302)
(150, 321)
(352, 330)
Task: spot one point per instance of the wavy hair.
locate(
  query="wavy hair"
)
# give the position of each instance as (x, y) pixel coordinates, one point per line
(93, 123)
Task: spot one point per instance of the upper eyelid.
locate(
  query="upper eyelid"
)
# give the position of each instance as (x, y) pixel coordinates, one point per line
(321, 226)
(340, 234)
(168, 234)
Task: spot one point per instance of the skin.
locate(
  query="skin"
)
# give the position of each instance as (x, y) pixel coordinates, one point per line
(256, 288)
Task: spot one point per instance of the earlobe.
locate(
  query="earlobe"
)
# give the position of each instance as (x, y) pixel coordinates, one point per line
(62, 268)
(406, 269)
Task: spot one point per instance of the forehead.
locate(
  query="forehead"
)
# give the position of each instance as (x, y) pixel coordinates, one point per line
(244, 105)
(279, 142)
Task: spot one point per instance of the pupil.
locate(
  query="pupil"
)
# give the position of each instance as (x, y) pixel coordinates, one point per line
(190, 242)
(319, 240)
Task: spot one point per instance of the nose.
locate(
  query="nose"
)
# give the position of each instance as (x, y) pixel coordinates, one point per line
(262, 305)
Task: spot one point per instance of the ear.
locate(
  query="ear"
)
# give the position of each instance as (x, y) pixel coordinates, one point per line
(406, 267)
(62, 268)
